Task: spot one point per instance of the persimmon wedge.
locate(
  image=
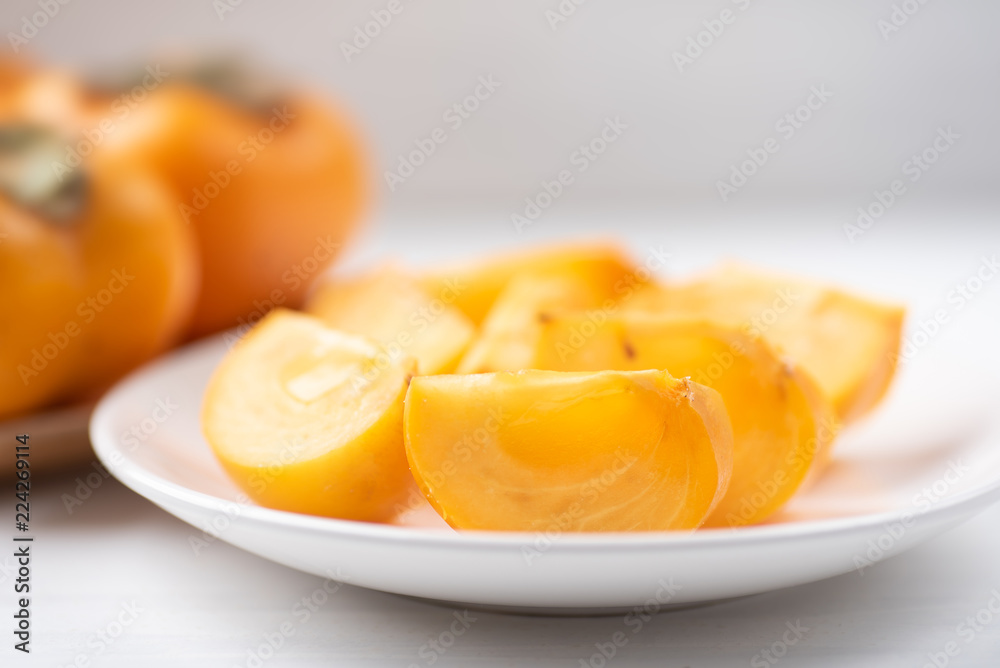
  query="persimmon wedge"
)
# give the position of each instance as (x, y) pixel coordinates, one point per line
(509, 335)
(479, 282)
(391, 308)
(567, 452)
(847, 343)
(308, 419)
(782, 425)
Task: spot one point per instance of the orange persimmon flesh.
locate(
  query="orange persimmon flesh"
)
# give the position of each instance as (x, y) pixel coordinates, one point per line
(847, 343)
(305, 418)
(782, 425)
(479, 282)
(568, 452)
(509, 335)
(391, 308)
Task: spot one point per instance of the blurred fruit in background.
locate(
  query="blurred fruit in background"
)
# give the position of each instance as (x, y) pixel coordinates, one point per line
(39, 96)
(271, 181)
(97, 270)
(185, 201)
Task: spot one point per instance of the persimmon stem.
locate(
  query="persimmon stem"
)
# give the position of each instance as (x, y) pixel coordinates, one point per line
(34, 174)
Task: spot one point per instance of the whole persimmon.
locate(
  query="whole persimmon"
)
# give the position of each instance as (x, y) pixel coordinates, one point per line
(272, 182)
(98, 271)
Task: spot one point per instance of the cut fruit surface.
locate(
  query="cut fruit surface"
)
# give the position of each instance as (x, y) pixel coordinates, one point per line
(309, 419)
(509, 335)
(562, 452)
(480, 282)
(848, 344)
(390, 307)
(782, 425)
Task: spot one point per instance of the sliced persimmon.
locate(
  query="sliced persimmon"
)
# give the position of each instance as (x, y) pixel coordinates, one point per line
(390, 307)
(509, 335)
(782, 425)
(548, 451)
(479, 282)
(847, 343)
(309, 419)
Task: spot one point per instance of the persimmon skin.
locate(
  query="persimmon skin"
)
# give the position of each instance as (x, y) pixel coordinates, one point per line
(547, 451)
(272, 194)
(141, 233)
(288, 419)
(783, 427)
(89, 298)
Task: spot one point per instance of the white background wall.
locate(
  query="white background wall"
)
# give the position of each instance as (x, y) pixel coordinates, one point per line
(613, 59)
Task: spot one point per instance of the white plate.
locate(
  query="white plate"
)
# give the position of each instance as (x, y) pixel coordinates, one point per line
(929, 461)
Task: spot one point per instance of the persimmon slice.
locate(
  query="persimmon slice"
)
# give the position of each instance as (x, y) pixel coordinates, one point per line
(391, 308)
(309, 419)
(549, 451)
(847, 343)
(782, 425)
(509, 335)
(479, 282)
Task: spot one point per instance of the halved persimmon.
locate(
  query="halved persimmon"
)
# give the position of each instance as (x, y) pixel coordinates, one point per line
(782, 425)
(479, 282)
(390, 307)
(309, 419)
(847, 343)
(562, 452)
